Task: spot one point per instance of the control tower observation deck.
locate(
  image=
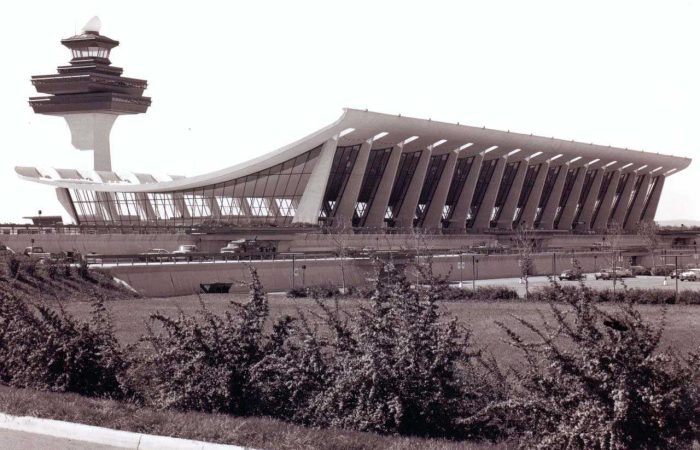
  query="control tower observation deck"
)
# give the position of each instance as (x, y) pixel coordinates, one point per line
(90, 93)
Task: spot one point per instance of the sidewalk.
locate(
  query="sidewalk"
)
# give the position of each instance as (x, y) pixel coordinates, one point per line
(28, 433)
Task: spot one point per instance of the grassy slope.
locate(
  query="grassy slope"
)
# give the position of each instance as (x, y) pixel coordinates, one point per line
(259, 433)
(682, 321)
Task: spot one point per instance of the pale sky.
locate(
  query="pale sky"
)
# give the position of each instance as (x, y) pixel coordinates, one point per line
(234, 80)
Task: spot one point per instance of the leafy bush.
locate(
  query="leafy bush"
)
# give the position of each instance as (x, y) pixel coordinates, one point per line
(398, 366)
(297, 293)
(597, 380)
(13, 266)
(204, 364)
(636, 295)
(83, 270)
(50, 350)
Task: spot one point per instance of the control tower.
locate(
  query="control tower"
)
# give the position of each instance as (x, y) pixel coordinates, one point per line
(90, 93)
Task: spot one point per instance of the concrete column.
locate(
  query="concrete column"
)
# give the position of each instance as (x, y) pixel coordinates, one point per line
(90, 131)
(533, 200)
(64, 199)
(346, 205)
(433, 215)
(180, 207)
(650, 213)
(459, 216)
(567, 215)
(589, 204)
(505, 219)
(312, 198)
(623, 203)
(214, 209)
(146, 206)
(109, 206)
(404, 219)
(550, 209)
(601, 220)
(377, 210)
(637, 204)
(483, 216)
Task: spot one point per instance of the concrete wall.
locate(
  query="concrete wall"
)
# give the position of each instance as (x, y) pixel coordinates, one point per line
(167, 279)
(110, 244)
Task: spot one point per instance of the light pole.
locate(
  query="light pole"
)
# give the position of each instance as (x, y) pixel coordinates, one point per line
(474, 273)
(461, 271)
(677, 279)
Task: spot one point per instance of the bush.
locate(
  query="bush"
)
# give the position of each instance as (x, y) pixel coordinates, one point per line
(83, 270)
(203, 363)
(13, 266)
(399, 366)
(623, 295)
(596, 380)
(297, 293)
(50, 350)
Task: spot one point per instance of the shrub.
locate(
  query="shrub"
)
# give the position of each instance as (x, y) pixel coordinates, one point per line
(297, 293)
(636, 295)
(203, 363)
(83, 270)
(398, 366)
(47, 349)
(596, 380)
(13, 266)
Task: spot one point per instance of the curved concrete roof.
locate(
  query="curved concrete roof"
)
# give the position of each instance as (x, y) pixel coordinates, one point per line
(366, 125)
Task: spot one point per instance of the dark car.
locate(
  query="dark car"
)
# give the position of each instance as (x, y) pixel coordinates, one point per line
(571, 275)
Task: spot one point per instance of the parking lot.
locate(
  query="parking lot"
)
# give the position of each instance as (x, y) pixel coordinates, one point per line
(642, 282)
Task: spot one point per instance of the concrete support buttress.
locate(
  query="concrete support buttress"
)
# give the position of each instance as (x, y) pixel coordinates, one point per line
(180, 207)
(636, 207)
(377, 210)
(407, 213)
(483, 216)
(64, 199)
(434, 214)
(623, 203)
(650, 212)
(146, 206)
(527, 218)
(567, 215)
(214, 207)
(464, 202)
(90, 131)
(346, 206)
(584, 220)
(601, 220)
(505, 219)
(312, 198)
(550, 209)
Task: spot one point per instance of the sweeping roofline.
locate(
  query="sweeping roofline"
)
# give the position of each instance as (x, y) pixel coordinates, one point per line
(367, 125)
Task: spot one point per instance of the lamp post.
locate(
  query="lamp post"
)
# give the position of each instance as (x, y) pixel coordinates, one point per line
(474, 272)
(461, 271)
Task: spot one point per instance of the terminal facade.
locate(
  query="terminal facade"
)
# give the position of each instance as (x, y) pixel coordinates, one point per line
(367, 171)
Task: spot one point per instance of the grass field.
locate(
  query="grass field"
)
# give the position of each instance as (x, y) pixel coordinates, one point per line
(682, 321)
(254, 432)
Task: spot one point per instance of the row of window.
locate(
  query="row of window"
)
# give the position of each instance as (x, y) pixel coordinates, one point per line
(274, 194)
(90, 52)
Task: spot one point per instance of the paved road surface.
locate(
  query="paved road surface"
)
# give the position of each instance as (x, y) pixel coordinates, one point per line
(18, 440)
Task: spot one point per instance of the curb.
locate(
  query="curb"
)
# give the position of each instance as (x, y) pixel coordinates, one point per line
(105, 436)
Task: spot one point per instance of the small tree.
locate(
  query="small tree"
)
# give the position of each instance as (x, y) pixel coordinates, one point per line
(649, 231)
(525, 245)
(340, 232)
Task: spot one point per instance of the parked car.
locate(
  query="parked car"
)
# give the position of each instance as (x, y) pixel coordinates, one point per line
(186, 248)
(690, 275)
(676, 273)
(5, 250)
(35, 252)
(572, 275)
(155, 254)
(617, 272)
(640, 270)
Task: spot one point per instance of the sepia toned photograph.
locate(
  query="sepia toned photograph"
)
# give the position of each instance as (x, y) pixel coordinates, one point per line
(330, 225)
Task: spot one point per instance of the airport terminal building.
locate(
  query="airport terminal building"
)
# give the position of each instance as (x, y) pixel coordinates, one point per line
(367, 170)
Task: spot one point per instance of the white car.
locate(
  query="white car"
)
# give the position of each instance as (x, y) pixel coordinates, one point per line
(690, 275)
(187, 248)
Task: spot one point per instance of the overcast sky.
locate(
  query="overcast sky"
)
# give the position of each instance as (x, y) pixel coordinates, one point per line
(233, 80)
